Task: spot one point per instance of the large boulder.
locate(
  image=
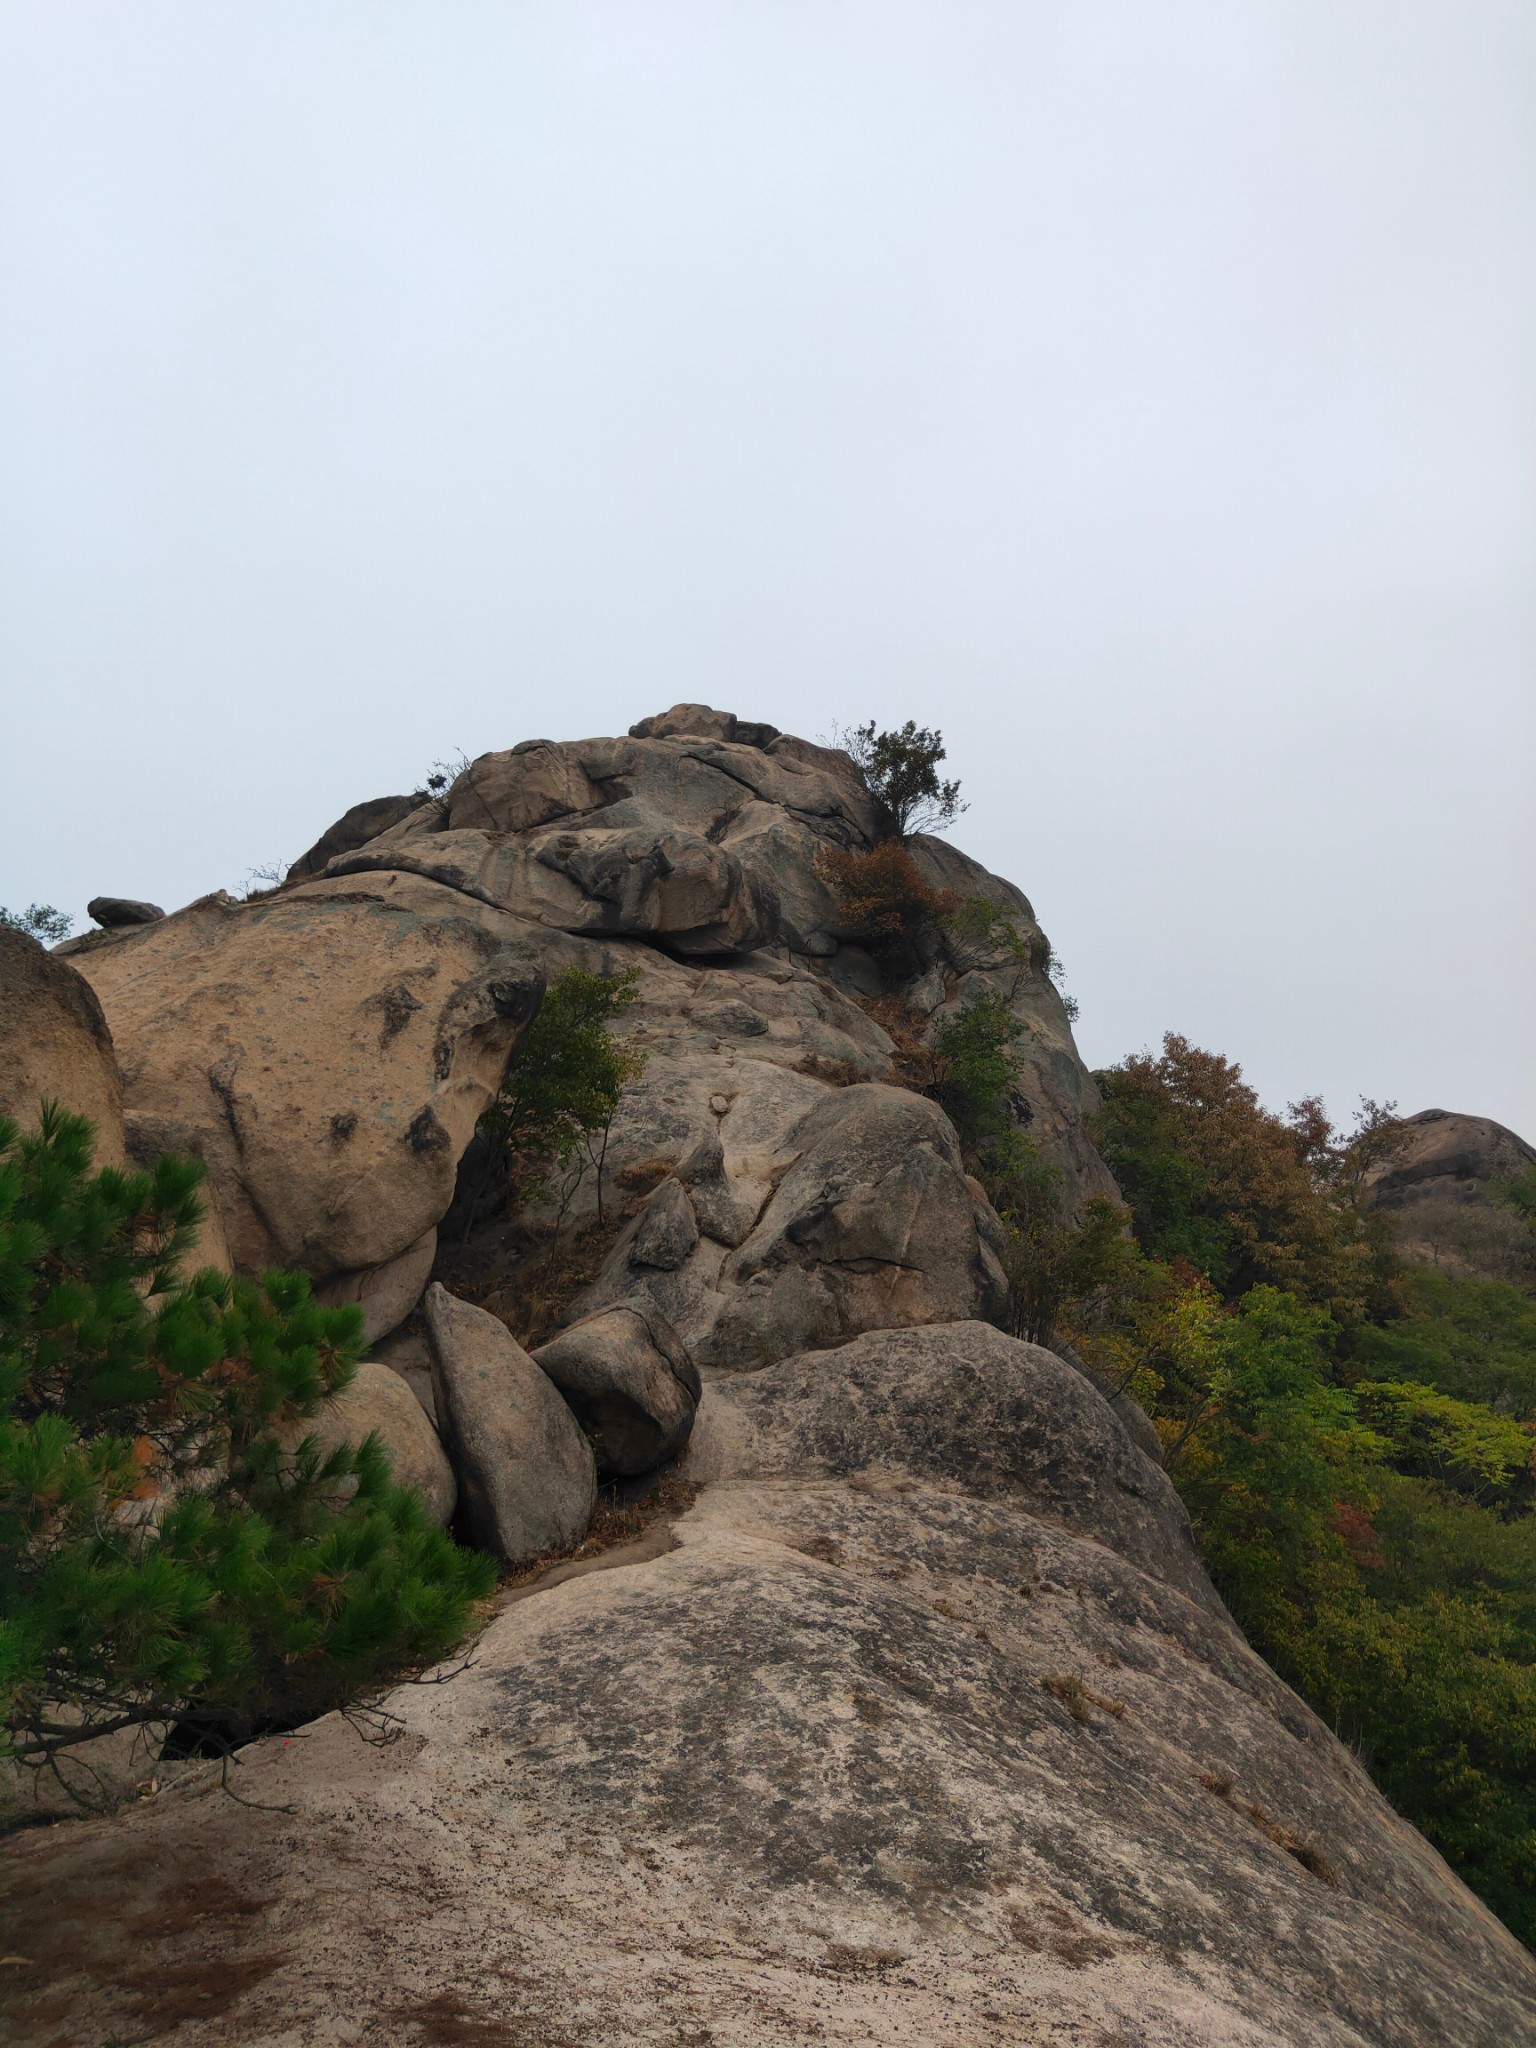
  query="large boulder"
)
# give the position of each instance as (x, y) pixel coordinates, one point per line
(55, 1043)
(527, 1481)
(1438, 1177)
(870, 1754)
(959, 1405)
(353, 828)
(875, 1225)
(677, 832)
(378, 1402)
(856, 1214)
(326, 1053)
(1440, 1154)
(630, 1382)
(646, 879)
(112, 911)
(385, 1293)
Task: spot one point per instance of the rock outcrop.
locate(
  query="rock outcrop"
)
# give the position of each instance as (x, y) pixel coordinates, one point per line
(895, 1745)
(55, 1044)
(1438, 1181)
(922, 1723)
(327, 1054)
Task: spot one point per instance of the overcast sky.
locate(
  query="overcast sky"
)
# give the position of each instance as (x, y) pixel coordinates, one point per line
(1144, 393)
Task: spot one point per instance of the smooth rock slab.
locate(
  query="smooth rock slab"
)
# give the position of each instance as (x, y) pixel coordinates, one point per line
(527, 1480)
(810, 1778)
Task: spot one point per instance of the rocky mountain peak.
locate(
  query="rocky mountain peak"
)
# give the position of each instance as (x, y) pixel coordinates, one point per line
(916, 1718)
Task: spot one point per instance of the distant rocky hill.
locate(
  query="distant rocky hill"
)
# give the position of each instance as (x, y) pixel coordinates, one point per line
(916, 1717)
(1439, 1182)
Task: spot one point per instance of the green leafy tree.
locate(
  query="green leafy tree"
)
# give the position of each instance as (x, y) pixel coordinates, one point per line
(1464, 1446)
(550, 1120)
(1265, 1453)
(168, 1554)
(1060, 1268)
(976, 1071)
(1472, 1338)
(40, 921)
(1215, 1179)
(901, 769)
(1518, 1192)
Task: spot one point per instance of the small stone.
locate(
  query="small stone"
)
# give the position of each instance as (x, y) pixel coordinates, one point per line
(719, 1104)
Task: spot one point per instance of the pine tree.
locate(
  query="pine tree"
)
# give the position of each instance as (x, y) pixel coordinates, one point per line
(163, 1558)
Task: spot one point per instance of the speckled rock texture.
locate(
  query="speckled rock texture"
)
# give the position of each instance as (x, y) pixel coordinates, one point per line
(527, 1480)
(886, 1750)
(327, 1054)
(629, 1380)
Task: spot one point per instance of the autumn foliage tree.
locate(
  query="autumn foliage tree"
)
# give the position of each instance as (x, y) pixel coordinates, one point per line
(1215, 1179)
(883, 901)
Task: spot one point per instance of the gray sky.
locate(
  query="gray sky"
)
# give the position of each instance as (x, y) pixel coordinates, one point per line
(1144, 393)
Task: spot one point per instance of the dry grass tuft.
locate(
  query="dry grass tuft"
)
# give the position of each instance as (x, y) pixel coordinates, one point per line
(1307, 1853)
(612, 1523)
(529, 1291)
(1079, 1700)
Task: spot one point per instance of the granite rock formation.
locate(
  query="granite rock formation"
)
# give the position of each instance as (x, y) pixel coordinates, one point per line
(922, 1722)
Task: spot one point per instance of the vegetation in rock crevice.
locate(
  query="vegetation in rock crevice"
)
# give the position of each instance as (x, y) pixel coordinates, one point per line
(901, 771)
(543, 1138)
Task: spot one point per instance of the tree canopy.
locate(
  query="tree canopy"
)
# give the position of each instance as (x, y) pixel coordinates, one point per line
(902, 771)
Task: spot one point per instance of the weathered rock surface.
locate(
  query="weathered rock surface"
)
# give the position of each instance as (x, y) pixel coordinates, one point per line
(352, 829)
(1438, 1182)
(929, 1727)
(699, 833)
(631, 1384)
(409, 1354)
(111, 911)
(386, 1293)
(327, 1054)
(854, 1214)
(960, 1403)
(379, 1401)
(875, 1755)
(526, 1476)
(54, 1042)
(1445, 1155)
